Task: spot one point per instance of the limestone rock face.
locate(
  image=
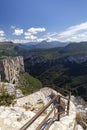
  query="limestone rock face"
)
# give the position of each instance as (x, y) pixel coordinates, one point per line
(10, 68)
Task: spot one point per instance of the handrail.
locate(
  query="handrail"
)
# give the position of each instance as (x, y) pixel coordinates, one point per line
(57, 114)
(37, 115)
(64, 97)
(42, 123)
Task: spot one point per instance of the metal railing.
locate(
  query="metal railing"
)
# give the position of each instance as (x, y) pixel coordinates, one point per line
(57, 114)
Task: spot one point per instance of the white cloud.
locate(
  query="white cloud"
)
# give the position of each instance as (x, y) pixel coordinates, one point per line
(36, 30)
(27, 34)
(75, 33)
(2, 36)
(30, 37)
(2, 33)
(18, 32)
(72, 34)
(31, 34)
(50, 37)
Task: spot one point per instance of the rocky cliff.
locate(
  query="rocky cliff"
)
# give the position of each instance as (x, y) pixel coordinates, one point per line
(77, 59)
(10, 68)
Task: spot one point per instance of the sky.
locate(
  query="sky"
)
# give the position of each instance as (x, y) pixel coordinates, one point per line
(23, 21)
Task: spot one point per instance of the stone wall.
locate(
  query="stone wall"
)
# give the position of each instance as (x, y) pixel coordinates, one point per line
(10, 68)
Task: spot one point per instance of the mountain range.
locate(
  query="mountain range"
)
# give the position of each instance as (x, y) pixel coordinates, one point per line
(63, 67)
(44, 45)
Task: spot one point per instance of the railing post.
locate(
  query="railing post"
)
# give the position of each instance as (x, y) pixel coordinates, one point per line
(68, 105)
(59, 108)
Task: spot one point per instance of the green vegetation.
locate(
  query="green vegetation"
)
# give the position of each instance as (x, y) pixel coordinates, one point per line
(11, 49)
(50, 53)
(75, 47)
(69, 77)
(28, 84)
(56, 54)
(59, 72)
(72, 49)
(51, 67)
(5, 98)
(7, 49)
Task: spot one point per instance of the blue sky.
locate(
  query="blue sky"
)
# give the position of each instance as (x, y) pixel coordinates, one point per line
(36, 20)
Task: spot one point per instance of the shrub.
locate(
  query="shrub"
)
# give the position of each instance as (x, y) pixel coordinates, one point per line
(5, 98)
(28, 84)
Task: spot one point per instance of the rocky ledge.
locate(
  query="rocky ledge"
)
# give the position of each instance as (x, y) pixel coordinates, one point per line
(14, 117)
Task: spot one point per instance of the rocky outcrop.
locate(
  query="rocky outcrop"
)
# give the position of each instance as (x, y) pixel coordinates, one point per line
(81, 110)
(10, 88)
(14, 117)
(10, 68)
(67, 122)
(77, 59)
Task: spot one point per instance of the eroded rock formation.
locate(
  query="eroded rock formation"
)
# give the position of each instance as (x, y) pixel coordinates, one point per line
(10, 68)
